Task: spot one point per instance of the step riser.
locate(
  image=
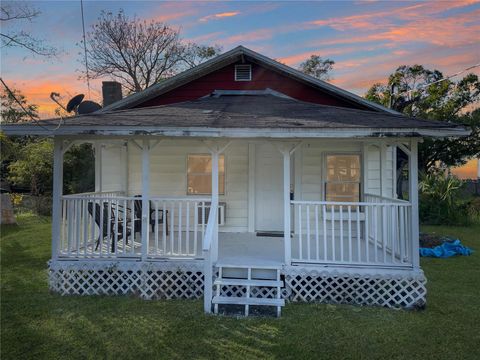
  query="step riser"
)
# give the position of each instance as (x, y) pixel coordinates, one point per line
(239, 273)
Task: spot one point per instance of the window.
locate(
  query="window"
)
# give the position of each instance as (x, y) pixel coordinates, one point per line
(199, 174)
(343, 176)
(243, 72)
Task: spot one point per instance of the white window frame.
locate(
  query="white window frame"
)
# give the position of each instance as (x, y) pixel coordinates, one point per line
(224, 174)
(250, 67)
(325, 170)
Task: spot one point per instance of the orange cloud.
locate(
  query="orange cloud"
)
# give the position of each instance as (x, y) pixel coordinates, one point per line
(219, 16)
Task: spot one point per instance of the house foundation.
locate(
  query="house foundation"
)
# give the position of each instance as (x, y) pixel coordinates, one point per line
(185, 280)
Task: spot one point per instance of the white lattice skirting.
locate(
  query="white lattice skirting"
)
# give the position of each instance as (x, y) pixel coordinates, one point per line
(184, 280)
(151, 280)
(406, 291)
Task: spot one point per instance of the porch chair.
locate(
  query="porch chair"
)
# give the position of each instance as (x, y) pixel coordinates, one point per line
(107, 225)
(151, 217)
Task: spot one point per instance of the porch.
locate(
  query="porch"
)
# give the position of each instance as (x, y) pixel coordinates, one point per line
(272, 212)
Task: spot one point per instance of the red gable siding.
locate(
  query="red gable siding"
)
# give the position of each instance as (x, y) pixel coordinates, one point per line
(262, 78)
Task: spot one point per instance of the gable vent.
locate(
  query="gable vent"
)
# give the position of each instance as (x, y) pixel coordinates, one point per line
(243, 72)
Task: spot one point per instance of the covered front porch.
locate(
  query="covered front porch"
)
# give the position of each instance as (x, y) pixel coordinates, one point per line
(123, 220)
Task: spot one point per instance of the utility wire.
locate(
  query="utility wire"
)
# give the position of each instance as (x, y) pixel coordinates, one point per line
(26, 111)
(85, 49)
(443, 79)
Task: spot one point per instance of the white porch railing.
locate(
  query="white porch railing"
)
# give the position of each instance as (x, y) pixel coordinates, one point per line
(362, 233)
(108, 225)
(210, 253)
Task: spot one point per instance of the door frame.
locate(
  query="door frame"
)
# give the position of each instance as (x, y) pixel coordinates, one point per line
(295, 180)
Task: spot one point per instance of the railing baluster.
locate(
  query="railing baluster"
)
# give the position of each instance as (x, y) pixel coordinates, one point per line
(101, 204)
(187, 227)
(375, 232)
(115, 218)
(384, 233)
(325, 248)
(203, 220)
(332, 223)
(85, 227)
(402, 232)
(317, 243)
(132, 235)
(77, 227)
(179, 240)
(350, 233)
(300, 225)
(358, 235)
(155, 249)
(195, 227)
(308, 231)
(172, 226)
(124, 227)
(393, 232)
(367, 234)
(341, 232)
(164, 227)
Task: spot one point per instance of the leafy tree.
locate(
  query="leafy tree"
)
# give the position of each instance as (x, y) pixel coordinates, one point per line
(139, 53)
(11, 111)
(408, 91)
(317, 67)
(33, 168)
(79, 169)
(13, 13)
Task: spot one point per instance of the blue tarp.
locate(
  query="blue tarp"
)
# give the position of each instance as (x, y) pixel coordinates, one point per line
(447, 249)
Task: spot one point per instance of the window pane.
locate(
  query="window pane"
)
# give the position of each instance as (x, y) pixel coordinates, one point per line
(343, 178)
(199, 174)
(343, 168)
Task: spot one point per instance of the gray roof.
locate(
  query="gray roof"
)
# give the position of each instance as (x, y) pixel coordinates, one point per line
(263, 111)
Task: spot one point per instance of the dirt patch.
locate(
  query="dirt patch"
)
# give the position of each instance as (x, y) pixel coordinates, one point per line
(431, 240)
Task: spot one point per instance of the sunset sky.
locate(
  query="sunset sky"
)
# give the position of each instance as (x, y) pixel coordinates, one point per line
(367, 39)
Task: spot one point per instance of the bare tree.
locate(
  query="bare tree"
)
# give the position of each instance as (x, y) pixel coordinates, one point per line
(317, 67)
(13, 13)
(194, 54)
(138, 53)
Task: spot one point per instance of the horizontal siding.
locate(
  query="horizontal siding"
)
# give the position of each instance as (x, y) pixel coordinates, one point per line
(168, 170)
(262, 78)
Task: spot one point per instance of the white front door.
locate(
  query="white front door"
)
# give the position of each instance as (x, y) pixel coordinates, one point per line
(268, 188)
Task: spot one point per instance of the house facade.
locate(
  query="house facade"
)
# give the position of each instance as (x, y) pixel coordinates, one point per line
(244, 182)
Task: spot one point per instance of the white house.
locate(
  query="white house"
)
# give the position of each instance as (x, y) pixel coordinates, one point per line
(242, 181)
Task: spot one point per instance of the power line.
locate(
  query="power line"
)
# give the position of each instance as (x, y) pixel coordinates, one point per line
(10, 92)
(443, 79)
(85, 49)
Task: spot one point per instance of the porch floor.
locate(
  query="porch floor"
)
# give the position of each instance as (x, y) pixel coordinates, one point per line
(237, 249)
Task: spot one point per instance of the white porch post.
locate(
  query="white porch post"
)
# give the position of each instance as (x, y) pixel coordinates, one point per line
(413, 194)
(57, 195)
(286, 207)
(383, 169)
(214, 204)
(98, 165)
(145, 197)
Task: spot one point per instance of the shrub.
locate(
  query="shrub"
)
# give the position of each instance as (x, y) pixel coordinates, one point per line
(441, 201)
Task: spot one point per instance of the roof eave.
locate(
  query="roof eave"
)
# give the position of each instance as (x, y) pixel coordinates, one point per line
(13, 130)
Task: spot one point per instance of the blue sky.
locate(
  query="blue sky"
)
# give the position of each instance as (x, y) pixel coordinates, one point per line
(367, 39)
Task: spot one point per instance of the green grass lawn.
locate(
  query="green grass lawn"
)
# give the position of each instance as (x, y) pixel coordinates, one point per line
(38, 325)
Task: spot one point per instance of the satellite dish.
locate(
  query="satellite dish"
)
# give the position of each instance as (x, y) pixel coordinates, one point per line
(87, 107)
(74, 102)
